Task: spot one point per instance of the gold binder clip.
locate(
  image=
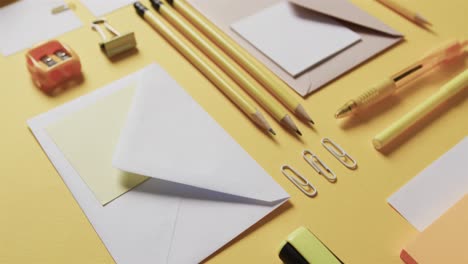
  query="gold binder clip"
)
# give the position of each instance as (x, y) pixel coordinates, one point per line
(118, 43)
(301, 183)
(318, 165)
(62, 8)
(339, 153)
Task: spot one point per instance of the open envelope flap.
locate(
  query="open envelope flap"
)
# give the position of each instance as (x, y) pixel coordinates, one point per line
(170, 137)
(346, 11)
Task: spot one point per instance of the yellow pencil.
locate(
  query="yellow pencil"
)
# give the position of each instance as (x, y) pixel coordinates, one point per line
(204, 65)
(269, 80)
(406, 12)
(447, 91)
(225, 63)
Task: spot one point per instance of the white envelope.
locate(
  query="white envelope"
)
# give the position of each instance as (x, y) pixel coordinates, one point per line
(301, 38)
(191, 210)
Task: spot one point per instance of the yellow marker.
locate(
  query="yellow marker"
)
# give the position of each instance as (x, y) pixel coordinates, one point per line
(269, 80)
(226, 64)
(448, 90)
(406, 12)
(204, 65)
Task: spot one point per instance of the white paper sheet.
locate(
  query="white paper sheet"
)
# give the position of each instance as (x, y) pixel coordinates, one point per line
(437, 188)
(104, 7)
(293, 37)
(158, 221)
(25, 23)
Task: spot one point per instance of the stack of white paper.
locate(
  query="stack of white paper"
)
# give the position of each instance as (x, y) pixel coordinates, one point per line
(25, 23)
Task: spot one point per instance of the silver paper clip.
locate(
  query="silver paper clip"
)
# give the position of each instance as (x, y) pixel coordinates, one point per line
(300, 181)
(318, 165)
(339, 153)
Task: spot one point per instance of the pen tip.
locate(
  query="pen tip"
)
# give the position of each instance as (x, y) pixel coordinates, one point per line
(298, 132)
(272, 131)
(346, 109)
(312, 121)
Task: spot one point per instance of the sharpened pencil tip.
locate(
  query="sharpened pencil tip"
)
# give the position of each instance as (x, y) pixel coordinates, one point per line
(299, 132)
(312, 121)
(272, 131)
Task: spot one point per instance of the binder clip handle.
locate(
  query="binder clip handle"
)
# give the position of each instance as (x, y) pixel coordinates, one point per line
(116, 44)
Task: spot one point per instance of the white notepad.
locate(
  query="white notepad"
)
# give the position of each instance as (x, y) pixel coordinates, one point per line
(25, 23)
(293, 37)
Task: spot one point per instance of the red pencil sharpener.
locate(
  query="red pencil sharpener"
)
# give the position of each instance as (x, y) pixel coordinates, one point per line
(52, 65)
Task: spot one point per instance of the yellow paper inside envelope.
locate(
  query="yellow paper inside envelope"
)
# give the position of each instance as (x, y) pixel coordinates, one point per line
(87, 138)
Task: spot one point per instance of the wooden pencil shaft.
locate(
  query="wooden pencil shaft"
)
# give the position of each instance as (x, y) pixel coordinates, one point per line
(404, 11)
(203, 64)
(224, 62)
(276, 86)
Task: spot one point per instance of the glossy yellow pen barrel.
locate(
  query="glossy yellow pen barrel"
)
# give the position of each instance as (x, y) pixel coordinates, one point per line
(270, 81)
(204, 65)
(224, 62)
(448, 90)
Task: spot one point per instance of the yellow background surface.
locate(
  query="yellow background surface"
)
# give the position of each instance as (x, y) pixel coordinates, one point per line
(41, 222)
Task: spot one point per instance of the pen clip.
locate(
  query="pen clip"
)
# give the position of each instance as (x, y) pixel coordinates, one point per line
(319, 166)
(339, 153)
(300, 181)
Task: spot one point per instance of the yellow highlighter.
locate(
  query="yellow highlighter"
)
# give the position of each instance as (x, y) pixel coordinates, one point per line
(303, 247)
(204, 65)
(454, 86)
(269, 80)
(227, 65)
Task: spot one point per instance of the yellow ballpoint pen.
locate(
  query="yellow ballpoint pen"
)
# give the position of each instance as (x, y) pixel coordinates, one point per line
(447, 91)
(269, 80)
(226, 64)
(388, 86)
(204, 65)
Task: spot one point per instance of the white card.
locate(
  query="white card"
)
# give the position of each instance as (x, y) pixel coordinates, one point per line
(103, 7)
(437, 188)
(25, 23)
(293, 37)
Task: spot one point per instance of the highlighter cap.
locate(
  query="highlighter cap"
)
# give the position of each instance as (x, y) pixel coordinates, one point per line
(303, 247)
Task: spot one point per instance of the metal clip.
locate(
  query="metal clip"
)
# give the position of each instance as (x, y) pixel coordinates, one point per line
(302, 183)
(62, 8)
(318, 166)
(118, 43)
(339, 153)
